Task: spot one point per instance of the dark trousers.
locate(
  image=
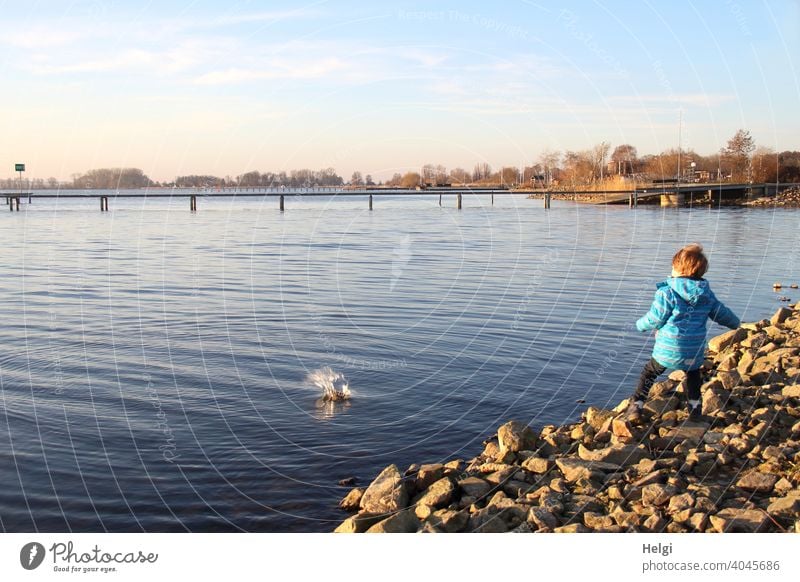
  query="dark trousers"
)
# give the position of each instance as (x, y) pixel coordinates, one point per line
(652, 370)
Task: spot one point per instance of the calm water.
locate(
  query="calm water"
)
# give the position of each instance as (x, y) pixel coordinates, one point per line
(153, 361)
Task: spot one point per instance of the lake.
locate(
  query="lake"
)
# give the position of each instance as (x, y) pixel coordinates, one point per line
(154, 364)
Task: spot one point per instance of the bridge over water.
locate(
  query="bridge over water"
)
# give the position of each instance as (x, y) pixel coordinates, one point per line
(668, 195)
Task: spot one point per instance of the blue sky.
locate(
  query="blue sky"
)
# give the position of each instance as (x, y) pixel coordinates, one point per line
(180, 87)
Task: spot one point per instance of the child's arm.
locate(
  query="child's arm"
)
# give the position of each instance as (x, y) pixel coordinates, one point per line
(723, 315)
(659, 312)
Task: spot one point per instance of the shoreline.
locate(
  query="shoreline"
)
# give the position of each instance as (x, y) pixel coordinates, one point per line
(739, 471)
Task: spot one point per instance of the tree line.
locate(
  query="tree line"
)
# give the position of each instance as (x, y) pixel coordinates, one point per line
(740, 160)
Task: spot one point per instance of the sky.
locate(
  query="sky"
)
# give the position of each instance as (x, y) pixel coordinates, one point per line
(180, 87)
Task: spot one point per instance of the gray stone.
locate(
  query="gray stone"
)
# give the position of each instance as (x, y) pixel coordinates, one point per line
(514, 436)
(781, 315)
(401, 522)
(359, 523)
(438, 494)
(428, 475)
(758, 482)
(597, 417)
(386, 494)
(616, 454)
(352, 500)
(656, 494)
(537, 465)
(733, 519)
(449, 520)
(474, 487)
(574, 469)
(542, 518)
(720, 342)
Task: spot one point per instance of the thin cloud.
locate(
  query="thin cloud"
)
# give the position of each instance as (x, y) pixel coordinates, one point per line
(699, 99)
(274, 70)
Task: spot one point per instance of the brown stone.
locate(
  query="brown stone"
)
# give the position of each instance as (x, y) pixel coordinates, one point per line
(537, 465)
(792, 391)
(730, 379)
(733, 519)
(542, 518)
(352, 500)
(720, 342)
(594, 520)
(758, 482)
(386, 494)
(681, 502)
(449, 520)
(574, 469)
(617, 454)
(596, 417)
(359, 523)
(515, 436)
(438, 494)
(474, 487)
(571, 528)
(428, 475)
(785, 507)
(656, 494)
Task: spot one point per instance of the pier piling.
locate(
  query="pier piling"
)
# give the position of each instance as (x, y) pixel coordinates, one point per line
(547, 200)
(370, 201)
(458, 201)
(103, 203)
(281, 203)
(193, 203)
(440, 200)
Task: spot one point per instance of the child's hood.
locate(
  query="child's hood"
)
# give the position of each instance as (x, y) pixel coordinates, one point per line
(690, 290)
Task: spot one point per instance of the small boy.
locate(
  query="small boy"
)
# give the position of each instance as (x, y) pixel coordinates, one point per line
(679, 312)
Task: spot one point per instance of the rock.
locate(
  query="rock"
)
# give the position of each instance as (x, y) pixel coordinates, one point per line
(438, 494)
(449, 520)
(571, 528)
(550, 502)
(401, 522)
(596, 417)
(537, 465)
(428, 475)
(359, 523)
(594, 520)
(719, 343)
(491, 450)
(758, 482)
(347, 482)
(780, 316)
(681, 502)
(733, 519)
(792, 391)
(501, 475)
(785, 507)
(656, 494)
(713, 401)
(617, 454)
(730, 379)
(783, 486)
(655, 523)
(621, 428)
(423, 512)
(658, 406)
(698, 521)
(386, 494)
(626, 519)
(574, 469)
(352, 500)
(474, 487)
(514, 436)
(542, 518)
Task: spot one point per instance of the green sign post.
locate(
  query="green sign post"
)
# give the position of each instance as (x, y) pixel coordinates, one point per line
(19, 167)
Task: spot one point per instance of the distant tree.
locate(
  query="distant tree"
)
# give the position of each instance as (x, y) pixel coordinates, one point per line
(549, 160)
(460, 176)
(356, 179)
(764, 165)
(482, 171)
(509, 176)
(395, 180)
(369, 181)
(52, 183)
(624, 157)
(410, 180)
(736, 155)
(789, 166)
(578, 168)
(599, 155)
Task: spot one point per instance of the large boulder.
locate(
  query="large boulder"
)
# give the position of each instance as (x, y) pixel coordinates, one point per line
(781, 315)
(401, 522)
(438, 494)
(616, 454)
(575, 469)
(727, 339)
(386, 494)
(514, 436)
(757, 482)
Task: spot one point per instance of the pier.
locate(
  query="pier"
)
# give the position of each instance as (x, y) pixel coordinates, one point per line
(663, 194)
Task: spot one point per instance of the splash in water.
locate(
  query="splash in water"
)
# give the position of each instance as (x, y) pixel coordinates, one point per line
(334, 385)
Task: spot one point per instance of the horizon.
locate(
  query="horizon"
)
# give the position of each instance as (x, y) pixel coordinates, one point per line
(189, 88)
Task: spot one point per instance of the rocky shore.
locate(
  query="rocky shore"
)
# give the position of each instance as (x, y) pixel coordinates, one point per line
(786, 199)
(736, 471)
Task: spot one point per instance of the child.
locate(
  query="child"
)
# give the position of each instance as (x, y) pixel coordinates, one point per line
(679, 312)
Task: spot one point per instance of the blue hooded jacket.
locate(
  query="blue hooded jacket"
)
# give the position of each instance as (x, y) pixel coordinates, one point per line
(679, 312)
